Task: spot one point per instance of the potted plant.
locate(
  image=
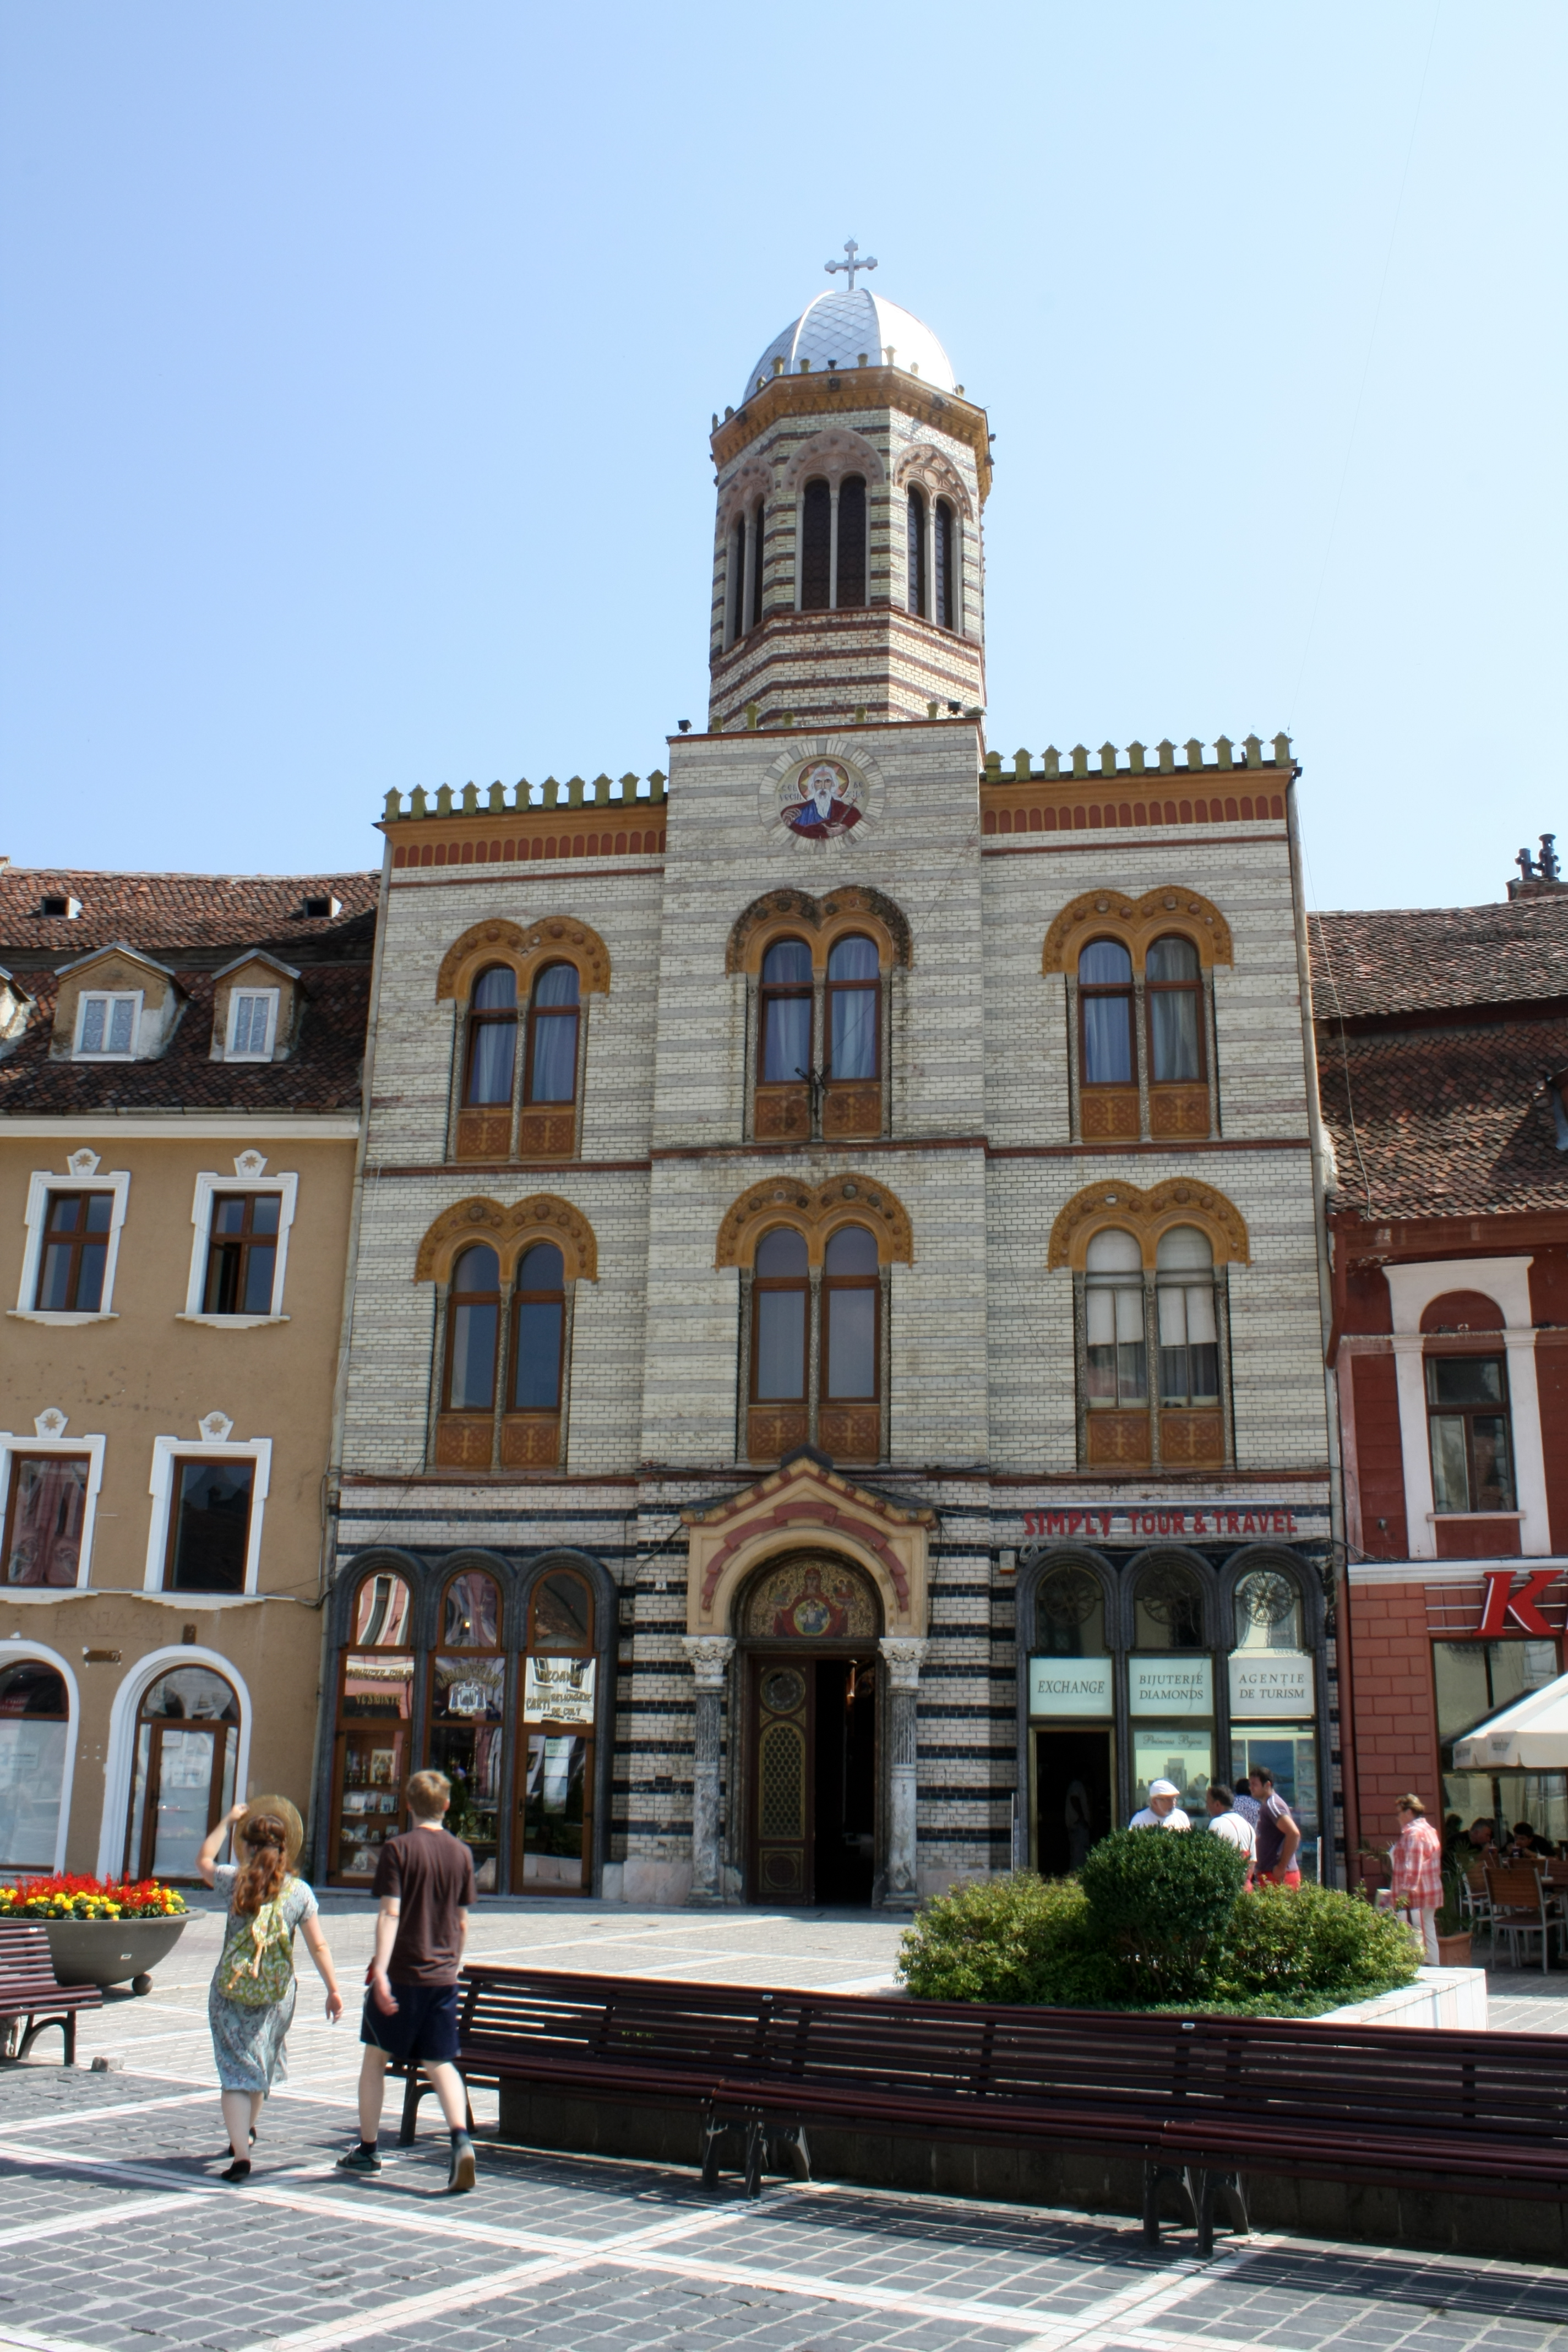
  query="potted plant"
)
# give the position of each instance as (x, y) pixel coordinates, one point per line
(101, 1931)
(1453, 1936)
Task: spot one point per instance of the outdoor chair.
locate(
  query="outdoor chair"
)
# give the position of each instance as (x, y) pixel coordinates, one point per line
(1521, 1908)
(1475, 1903)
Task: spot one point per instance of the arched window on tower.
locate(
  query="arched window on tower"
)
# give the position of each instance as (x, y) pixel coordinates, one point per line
(918, 601)
(945, 550)
(736, 571)
(759, 516)
(850, 587)
(815, 547)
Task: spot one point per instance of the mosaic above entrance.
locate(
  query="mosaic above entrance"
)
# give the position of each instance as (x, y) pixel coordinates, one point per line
(811, 1601)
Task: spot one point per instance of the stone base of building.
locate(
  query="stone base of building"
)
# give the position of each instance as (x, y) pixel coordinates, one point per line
(1451, 2223)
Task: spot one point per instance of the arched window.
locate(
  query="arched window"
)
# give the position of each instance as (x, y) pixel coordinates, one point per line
(554, 1843)
(1069, 1614)
(375, 1687)
(1175, 998)
(1105, 1013)
(854, 1009)
(1269, 1614)
(1189, 1340)
(916, 558)
(816, 547)
(1118, 1370)
(850, 587)
(945, 531)
(1168, 1608)
(779, 1295)
(758, 516)
(473, 1327)
(538, 1330)
(492, 1037)
(187, 1738)
(552, 1036)
(785, 1058)
(468, 1711)
(850, 1288)
(35, 1728)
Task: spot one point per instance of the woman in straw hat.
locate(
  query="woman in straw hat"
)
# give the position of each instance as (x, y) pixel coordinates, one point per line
(251, 2005)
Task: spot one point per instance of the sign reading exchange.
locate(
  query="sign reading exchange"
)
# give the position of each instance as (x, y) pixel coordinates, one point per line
(1069, 1686)
(1170, 1687)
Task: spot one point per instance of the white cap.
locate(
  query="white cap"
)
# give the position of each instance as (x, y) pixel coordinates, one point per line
(1163, 1789)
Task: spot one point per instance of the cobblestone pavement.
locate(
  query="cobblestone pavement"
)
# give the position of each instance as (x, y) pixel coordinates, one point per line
(116, 2235)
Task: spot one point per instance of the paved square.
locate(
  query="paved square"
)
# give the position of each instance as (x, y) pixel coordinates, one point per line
(116, 2235)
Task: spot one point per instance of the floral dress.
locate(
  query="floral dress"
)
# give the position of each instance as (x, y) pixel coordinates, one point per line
(248, 2042)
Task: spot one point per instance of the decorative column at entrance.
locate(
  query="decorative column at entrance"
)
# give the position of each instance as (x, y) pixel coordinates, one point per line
(710, 1654)
(902, 1653)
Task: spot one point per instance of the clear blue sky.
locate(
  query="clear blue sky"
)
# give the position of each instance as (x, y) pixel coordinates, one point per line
(359, 363)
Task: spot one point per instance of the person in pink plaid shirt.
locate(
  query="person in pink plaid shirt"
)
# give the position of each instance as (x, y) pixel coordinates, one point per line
(1417, 1859)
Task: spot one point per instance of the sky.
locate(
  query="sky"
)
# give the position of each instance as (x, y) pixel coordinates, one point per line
(359, 363)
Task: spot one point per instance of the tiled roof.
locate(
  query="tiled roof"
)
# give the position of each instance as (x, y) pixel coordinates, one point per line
(1446, 1122)
(1405, 960)
(157, 912)
(192, 924)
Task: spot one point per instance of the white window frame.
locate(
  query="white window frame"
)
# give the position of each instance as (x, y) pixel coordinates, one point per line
(134, 996)
(12, 1443)
(41, 1184)
(121, 1754)
(1411, 1289)
(166, 1451)
(13, 1649)
(209, 1183)
(231, 1052)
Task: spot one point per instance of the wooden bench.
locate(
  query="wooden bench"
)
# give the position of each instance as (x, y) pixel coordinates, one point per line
(1200, 2102)
(30, 1992)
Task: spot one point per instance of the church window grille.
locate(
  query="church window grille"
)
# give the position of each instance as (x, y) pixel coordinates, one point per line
(945, 534)
(815, 547)
(492, 1037)
(917, 552)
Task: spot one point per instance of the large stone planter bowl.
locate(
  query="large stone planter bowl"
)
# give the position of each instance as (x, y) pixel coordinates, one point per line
(111, 1951)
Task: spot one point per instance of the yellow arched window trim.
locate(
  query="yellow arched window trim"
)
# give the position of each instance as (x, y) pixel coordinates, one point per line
(1116, 915)
(1148, 1215)
(816, 1211)
(554, 938)
(796, 915)
(542, 1217)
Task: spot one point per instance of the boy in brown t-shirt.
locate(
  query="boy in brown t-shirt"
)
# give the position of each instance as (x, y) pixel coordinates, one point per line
(424, 1885)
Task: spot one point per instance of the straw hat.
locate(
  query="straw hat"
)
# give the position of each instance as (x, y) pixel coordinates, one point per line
(287, 1814)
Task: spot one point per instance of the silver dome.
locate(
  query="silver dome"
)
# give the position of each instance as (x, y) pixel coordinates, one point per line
(838, 326)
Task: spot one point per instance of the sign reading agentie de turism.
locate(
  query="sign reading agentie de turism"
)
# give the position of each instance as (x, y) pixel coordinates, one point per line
(1069, 1686)
(1272, 1685)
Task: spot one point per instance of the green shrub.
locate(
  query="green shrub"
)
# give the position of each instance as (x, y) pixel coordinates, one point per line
(1160, 1901)
(999, 1940)
(1312, 1940)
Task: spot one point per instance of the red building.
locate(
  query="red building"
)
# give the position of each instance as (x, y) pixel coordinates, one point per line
(1442, 1047)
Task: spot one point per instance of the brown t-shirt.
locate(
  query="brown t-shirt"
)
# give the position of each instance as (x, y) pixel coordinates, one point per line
(431, 1874)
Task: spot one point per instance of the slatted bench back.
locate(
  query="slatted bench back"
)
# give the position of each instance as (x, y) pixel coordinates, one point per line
(24, 1955)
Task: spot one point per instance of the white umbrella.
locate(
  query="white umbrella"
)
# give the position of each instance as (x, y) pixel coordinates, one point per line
(1531, 1735)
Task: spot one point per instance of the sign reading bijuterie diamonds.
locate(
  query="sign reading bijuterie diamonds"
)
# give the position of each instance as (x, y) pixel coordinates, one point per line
(1134, 1522)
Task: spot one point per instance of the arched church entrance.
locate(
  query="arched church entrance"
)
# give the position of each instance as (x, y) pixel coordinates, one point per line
(808, 1630)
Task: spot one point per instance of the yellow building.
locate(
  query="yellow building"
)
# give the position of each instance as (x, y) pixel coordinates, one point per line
(180, 1069)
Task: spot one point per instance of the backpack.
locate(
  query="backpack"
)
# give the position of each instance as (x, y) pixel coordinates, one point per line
(257, 1965)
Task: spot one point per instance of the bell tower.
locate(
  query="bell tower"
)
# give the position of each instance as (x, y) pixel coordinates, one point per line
(848, 574)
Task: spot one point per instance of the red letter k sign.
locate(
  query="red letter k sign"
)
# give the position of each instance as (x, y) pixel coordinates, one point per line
(1502, 1604)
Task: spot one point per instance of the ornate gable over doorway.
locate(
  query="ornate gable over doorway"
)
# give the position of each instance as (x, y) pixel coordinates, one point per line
(805, 1502)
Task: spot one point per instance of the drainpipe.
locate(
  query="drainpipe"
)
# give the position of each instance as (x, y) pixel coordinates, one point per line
(1325, 1311)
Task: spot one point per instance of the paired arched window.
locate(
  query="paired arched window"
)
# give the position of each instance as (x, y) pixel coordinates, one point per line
(834, 555)
(498, 1114)
(933, 560)
(1175, 1315)
(815, 1346)
(915, 556)
(483, 1424)
(1121, 1058)
(944, 535)
(819, 1040)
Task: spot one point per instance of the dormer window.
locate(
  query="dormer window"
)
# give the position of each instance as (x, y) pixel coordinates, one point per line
(252, 1025)
(56, 905)
(106, 1022)
(317, 907)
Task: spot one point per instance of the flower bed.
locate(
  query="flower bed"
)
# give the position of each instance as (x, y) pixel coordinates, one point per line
(67, 1897)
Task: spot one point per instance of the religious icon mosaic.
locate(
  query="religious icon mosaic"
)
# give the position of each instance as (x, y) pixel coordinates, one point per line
(812, 1600)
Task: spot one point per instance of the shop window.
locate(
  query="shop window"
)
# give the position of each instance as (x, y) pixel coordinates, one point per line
(46, 1518)
(1170, 1685)
(242, 1254)
(555, 1804)
(34, 1732)
(1467, 1414)
(208, 1542)
(75, 1254)
(548, 1123)
(1290, 1752)
(1473, 1681)
(466, 1714)
(376, 1685)
(785, 1058)
(187, 1735)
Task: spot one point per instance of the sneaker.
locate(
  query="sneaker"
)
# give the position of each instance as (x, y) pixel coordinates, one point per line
(461, 2176)
(359, 2159)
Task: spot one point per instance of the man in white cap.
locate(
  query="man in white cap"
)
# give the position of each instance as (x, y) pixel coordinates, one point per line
(1161, 1811)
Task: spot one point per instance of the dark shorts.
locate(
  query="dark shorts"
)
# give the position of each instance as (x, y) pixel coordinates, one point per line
(423, 2032)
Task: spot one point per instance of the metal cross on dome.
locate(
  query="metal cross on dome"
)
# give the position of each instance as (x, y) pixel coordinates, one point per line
(852, 265)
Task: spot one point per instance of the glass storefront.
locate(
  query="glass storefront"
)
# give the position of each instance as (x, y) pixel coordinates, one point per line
(1471, 1681)
(35, 1723)
(187, 1737)
(375, 1704)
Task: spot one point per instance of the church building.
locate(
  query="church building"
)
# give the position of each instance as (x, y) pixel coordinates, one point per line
(835, 1394)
